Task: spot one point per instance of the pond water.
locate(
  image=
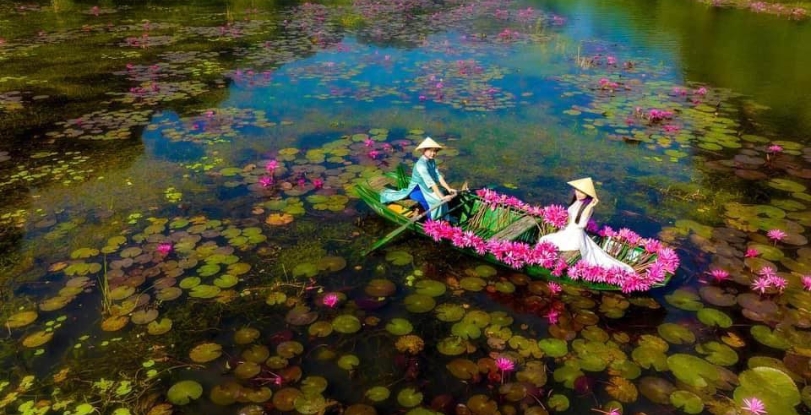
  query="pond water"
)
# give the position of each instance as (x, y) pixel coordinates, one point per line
(179, 231)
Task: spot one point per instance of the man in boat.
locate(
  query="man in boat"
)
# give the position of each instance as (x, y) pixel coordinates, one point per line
(424, 186)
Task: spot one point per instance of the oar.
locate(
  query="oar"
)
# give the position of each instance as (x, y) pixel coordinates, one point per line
(386, 239)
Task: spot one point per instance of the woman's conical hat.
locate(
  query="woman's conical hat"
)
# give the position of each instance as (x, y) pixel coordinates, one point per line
(428, 143)
(584, 185)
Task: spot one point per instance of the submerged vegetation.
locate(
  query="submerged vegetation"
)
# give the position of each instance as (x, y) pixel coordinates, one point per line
(178, 232)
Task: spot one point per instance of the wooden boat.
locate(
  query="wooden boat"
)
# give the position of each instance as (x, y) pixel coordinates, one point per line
(505, 233)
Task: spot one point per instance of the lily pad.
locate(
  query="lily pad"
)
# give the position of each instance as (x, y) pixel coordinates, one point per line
(205, 352)
(38, 339)
(348, 362)
(418, 303)
(305, 270)
(766, 336)
(409, 397)
(21, 319)
(205, 291)
(183, 392)
(346, 323)
(684, 299)
(714, 317)
(430, 288)
(380, 288)
(157, 328)
(399, 326)
(399, 257)
(378, 393)
(687, 401)
(676, 334)
(718, 353)
(554, 347)
(448, 312)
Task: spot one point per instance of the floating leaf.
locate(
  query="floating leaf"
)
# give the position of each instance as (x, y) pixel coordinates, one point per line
(765, 335)
(205, 352)
(409, 397)
(37, 339)
(246, 335)
(205, 291)
(687, 401)
(305, 270)
(399, 326)
(21, 319)
(554, 347)
(684, 299)
(346, 323)
(183, 392)
(474, 284)
(718, 353)
(378, 393)
(348, 362)
(621, 389)
(559, 402)
(463, 369)
(449, 312)
(380, 288)
(713, 317)
(430, 288)
(676, 334)
(418, 303)
(310, 403)
(452, 346)
(399, 257)
(156, 328)
(776, 389)
(114, 323)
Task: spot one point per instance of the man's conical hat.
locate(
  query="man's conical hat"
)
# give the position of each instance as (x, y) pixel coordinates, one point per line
(428, 143)
(584, 185)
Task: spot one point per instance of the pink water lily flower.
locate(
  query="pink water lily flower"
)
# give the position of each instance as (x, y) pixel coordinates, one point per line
(751, 253)
(504, 364)
(330, 300)
(754, 406)
(164, 248)
(719, 275)
(776, 235)
(806, 280)
(774, 148)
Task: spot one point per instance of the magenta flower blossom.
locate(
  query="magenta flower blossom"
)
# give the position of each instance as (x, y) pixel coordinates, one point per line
(751, 253)
(271, 166)
(504, 364)
(761, 285)
(369, 142)
(754, 406)
(719, 274)
(555, 288)
(776, 235)
(330, 300)
(767, 272)
(373, 154)
(164, 248)
(778, 282)
(266, 181)
(806, 279)
(774, 148)
(552, 316)
(318, 183)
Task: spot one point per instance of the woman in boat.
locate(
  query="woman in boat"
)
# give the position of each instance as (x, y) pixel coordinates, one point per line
(574, 238)
(425, 182)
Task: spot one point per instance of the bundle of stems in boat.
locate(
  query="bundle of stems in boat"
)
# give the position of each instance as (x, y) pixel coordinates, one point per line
(494, 218)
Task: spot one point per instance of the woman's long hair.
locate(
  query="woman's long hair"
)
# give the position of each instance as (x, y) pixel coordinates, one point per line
(586, 202)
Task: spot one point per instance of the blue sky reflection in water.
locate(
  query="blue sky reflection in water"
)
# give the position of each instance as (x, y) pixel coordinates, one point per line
(231, 213)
